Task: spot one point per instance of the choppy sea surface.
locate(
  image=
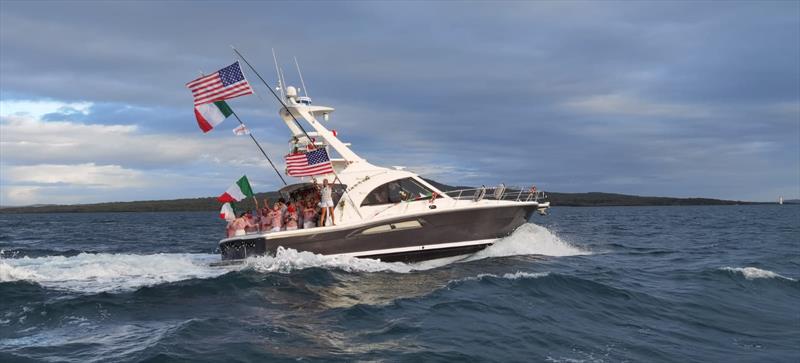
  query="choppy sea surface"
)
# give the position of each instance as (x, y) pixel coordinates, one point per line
(649, 284)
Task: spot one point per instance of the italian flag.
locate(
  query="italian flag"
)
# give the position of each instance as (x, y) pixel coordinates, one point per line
(211, 114)
(236, 192)
(226, 212)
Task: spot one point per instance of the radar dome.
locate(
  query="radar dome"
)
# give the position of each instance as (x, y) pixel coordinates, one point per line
(291, 91)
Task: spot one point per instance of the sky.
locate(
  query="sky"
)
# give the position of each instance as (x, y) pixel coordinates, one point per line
(684, 99)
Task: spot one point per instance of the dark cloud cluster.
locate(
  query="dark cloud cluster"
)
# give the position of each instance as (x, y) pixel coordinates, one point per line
(659, 98)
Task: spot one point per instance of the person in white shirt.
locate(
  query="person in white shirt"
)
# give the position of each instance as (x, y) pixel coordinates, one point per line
(326, 203)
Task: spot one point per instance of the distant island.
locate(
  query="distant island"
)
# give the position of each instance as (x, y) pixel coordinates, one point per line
(592, 199)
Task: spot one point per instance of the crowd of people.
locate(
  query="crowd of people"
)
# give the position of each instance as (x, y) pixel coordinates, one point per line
(308, 209)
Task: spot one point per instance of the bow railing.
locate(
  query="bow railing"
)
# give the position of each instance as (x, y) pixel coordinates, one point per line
(500, 192)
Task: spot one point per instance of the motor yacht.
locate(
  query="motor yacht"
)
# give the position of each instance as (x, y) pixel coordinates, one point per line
(386, 213)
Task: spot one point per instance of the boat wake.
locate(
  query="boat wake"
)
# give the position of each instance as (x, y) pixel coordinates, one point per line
(102, 272)
(92, 273)
(287, 260)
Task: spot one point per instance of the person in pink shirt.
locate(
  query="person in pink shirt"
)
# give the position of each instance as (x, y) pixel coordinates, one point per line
(291, 217)
(252, 223)
(309, 212)
(277, 217)
(239, 225)
(229, 230)
(265, 224)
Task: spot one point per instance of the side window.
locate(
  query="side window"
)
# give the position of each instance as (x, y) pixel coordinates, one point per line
(397, 191)
(378, 196)
(413, 190)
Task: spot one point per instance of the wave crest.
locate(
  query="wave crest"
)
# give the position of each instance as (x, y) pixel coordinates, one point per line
(508, 276)
(752, 273)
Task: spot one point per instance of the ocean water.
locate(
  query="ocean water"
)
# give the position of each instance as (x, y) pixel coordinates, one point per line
(649, 284)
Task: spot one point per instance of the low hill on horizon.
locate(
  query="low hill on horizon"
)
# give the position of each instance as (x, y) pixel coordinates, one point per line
(590, 199)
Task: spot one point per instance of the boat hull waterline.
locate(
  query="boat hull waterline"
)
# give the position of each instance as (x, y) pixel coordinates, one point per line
(400, 239)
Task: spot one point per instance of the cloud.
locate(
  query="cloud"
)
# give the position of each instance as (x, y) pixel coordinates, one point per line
(39, 108)
(89, 174)
(627, 105)
(76, 162)
(26, 140)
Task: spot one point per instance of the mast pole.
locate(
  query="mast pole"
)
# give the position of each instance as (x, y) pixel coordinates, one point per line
(262, 151)
(273, 92)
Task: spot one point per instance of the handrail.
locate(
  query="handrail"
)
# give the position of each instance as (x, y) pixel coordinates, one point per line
(498, 193)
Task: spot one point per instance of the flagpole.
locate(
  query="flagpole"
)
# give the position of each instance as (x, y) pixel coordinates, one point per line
(260, 148)
(273, 92)
(257, 144)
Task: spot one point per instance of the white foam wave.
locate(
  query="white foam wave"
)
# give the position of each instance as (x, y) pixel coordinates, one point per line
(287, 260)
(530, 239)
(508, 276)
(107, 272)
(751, 273)
(13, 273)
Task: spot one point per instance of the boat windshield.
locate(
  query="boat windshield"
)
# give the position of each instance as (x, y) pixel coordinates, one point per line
(396, 191)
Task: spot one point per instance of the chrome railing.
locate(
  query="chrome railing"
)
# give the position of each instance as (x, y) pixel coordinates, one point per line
(500, 192)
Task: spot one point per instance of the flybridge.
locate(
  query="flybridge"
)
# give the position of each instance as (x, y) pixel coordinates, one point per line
(294, 108)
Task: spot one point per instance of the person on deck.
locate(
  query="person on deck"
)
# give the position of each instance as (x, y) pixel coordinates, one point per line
(309, 212)
(252, 225)
(326, 203)
(291, 217)
(239, 225)
(265, 224)
(229, 230)
(298, 206)
(282, 204)
(277, 217)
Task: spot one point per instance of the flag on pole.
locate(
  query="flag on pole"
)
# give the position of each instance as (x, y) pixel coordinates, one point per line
(311, 163)
(226, 212)
(228, 82)
(211, 114)
(236, 192)
(241, 130)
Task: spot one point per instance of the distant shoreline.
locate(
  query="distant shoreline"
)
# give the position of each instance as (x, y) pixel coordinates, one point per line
(209, 204)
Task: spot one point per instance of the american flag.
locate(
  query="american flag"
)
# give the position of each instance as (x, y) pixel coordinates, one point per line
(307, 164)
(228, 82)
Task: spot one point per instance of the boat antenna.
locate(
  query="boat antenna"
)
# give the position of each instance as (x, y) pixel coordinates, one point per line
(283, 79)
(302, 82)
(280, 100)
(277, 72)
